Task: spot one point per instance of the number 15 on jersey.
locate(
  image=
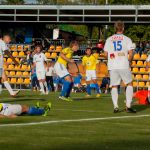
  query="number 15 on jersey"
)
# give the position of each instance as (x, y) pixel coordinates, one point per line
(117, 45)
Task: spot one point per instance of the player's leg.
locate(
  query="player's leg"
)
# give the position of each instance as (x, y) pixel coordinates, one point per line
(70, 81)
(1, 70)
(51, 83)
(115, 80)
(7, 85)
(88, 81)
(127, 79)
(39, 77)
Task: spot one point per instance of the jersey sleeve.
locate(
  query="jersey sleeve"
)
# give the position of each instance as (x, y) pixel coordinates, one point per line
(65, 51)
(129, 45)
(107, 45)
(4, 46)
(148, 58)
(34, 59)
(44, 57)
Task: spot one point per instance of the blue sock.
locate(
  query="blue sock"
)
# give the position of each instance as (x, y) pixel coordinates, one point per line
(97, 88)
(69, 90)
(35, 111)
(66, 86)
(88, 89)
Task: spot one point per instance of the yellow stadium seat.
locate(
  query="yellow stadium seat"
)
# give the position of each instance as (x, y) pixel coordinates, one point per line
(142, 70)
(20, 81)
(25, 73)
(27, 81)
(21, 54)
(48, 55)
(135, 70)
(13, 48)
(8, 79)
(149, 70)
(135, 84)
(26, 47)
(7, 73)
(133, 63)
(136, 56)
(4, 59)
(12, 73)
(15, 54)
(52, 47)
(5, 67)
(146, 77)
(13, 80)
(20, 47)
(17, 67)
(144, 64)
(9, 60)
(143, 56)
(53, 55)
(17, 59)
(147, 84)
(138, 76)
(141, 84)
(18, 73)
(24, 67)
(139, 63)
(103, 68)
(58, 48)
(132, 76)
(29, 68)
(11, 67)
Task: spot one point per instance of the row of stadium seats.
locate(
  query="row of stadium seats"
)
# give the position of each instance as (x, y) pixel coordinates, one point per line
(9, 60)
(138, 57)
(139, 77)
(57, 48)
(140, 70)
(13, 67)
(17, 73)
(51, 55)
(139, 63)
(15, 47)
(141, 84)
(19, 80)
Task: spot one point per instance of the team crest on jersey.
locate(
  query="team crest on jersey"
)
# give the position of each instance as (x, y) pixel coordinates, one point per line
(112, 55)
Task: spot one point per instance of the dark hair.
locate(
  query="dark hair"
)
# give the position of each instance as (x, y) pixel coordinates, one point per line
(72, 43)
(88, 48)
(119, 26)
(40, 46)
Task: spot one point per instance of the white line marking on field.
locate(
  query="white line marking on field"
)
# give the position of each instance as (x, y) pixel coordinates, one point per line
(72, 120)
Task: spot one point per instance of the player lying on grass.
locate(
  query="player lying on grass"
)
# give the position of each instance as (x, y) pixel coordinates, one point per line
(117, 48)
(89, 61)
(14, 110)
(61, 69)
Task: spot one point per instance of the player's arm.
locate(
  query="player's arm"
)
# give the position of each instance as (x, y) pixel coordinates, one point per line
(62, 55)
(130, 57)
(106, 48)
(10, 116)
(8, 53)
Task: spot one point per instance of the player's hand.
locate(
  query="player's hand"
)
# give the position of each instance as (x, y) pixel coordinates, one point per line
(71, 61)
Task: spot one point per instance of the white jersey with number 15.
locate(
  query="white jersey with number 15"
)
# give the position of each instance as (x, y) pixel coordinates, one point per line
(117, 47)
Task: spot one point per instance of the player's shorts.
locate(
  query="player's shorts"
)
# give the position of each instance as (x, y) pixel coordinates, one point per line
(12, 110)
(120, 74)
(90, 75)
(61, 70)
(41, 75)
(1, 72)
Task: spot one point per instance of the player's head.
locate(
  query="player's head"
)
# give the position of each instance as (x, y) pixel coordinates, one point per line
(38, 48)
(88, 51)
(7, 39)
(74, 45)
(119, 26)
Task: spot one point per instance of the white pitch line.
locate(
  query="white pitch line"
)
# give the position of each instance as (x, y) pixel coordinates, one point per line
(72, 120)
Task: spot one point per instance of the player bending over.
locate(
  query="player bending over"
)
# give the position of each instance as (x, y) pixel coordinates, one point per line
(4, 50)
(14, 110)
(89, 62)
(117, 48)
(61, 69)
(39, 59)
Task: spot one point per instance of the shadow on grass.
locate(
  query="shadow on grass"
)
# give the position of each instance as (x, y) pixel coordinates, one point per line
(140, 108)
(85, 98)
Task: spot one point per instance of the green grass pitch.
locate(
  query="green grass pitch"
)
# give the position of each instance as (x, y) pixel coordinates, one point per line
(111, 134)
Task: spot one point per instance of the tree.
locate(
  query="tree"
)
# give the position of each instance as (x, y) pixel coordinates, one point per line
(14, 2)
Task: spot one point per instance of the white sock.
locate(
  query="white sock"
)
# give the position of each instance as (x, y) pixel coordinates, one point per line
(114, 95)
(8, 87)
(0, 88)
(41, 86)
(45, 84)
(129, 95)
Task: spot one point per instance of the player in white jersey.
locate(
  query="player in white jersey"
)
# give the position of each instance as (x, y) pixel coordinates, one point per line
(5, 50)
(117, 48)
(39, 59)
(147, 62)
(14, 110)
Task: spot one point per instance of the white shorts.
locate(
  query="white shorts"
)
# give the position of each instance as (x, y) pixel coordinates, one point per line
(120, 74)
(61, 70)
(12, 110)
(90, 75)
(41, 75)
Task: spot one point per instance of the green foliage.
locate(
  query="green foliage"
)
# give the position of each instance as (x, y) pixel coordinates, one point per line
(13, 2)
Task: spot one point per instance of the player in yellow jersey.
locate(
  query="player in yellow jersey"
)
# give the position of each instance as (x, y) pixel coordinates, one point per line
(89, 61)
(61, 69)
